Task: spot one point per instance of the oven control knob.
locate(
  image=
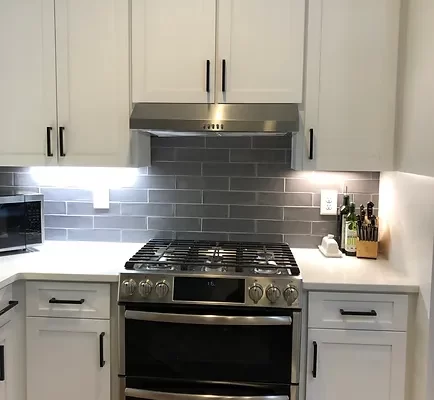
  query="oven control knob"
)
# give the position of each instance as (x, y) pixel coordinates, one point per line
(145, 288)
(273, 293)
(256, 292)
(161, 288)
(290, 294)
(129, 287)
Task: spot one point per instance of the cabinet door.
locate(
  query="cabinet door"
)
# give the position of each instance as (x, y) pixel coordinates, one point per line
(63, 359)
(172, 41)
(356, 364)
(27, 83)
(93, 81)
(352, 57)
(11, 380)
(261, 43)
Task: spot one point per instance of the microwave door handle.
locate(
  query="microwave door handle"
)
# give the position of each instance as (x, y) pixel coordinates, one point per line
(151, 395)
(207, 319)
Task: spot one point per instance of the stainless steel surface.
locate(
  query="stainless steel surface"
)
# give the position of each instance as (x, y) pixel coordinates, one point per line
(6, 249)
(162, 289)
(145, 288)
(214, 119)
(279, 281)
(33, 197)
(152, 395)
(129, 287)
(256, 292)
(296, 347)
(294, 391)
(121, 339)
(206, 319)
(273, 293)
(19, 198)
(290, 294)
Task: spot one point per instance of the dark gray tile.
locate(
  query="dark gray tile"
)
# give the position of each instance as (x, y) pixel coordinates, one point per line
(27, 189)
(316, 200)
(257, 155)
(129, 195)
(256, 237)
(175, 196)
(121, 222)
(14, 169)
(23, 179)
(305, 214)
(219, 236)
(312, 186)
(155, 182)
(66, 194)
(175, 168)
(186, 141)
(228, 225)
(229, 169)
(94, 235)
(362, 186)
(360, 198)
(55, 234)
(303, 241)
(76, 208)
(210, 155)
(285, 199)
(272, 142)
(6, 179)
(66, 221)
(188, 210)
(323, 228)
(293, 227)
(175, 224)
(136, 236)
(256, 212)
(258, 184)
(215, 197)
(159, 210)
(376, 175)
(223, 142)
(275, 170)
(198, 182)
(162, 154)
(54, 207)
(376, 199)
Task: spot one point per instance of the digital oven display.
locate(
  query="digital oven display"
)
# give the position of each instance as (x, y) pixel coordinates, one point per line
(219, 290)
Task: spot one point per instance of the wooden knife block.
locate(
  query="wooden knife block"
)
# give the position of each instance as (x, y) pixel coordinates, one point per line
(365, 249)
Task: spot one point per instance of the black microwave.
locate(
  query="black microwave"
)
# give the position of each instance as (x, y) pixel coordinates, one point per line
(21, 220)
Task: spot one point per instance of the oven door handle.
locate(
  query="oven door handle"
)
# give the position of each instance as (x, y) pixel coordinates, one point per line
(207, 319)
(151, 395)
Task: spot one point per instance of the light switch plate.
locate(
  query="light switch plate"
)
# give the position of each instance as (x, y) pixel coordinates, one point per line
(329, 202)
(101, 198)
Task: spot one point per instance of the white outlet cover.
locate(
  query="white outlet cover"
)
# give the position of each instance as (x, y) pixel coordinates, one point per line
(101, 199)
(329, 202)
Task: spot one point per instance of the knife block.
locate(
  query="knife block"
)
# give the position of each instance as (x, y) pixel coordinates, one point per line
(365, 249)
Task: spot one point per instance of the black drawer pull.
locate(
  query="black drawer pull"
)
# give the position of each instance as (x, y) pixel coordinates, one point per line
(53, 300)
(208, 68)
(61, 141)
(371, 313)
(310, 144)
(315, 359)
(101, 350)
(2, 363)
(49, 148)
(11, 305)
(224, 76)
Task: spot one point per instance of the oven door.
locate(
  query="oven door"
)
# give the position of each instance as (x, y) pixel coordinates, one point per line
(195, 351)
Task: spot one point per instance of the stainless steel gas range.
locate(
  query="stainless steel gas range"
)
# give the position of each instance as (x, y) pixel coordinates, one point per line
(201, 318)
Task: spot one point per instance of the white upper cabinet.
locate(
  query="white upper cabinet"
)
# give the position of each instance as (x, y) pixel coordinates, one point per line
(93, 82)
(27, 82)
(173, 51)
(260, 51)
(351, 75)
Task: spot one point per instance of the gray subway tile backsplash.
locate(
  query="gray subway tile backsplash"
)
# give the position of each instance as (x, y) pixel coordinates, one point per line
(213, 188)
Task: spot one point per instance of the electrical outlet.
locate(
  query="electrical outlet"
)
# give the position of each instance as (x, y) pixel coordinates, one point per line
(329, 202)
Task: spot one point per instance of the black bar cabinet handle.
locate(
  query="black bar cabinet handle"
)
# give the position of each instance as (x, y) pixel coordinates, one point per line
(208, 70)
(310, 144)
(2, 363)
(315, 359)
(61, 141)
(224, 76)
(371, 313)
(53, 300)
(11, 305)
(49, 149)
(101, 349)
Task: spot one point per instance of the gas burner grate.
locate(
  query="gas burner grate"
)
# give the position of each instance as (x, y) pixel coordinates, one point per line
(213, 255)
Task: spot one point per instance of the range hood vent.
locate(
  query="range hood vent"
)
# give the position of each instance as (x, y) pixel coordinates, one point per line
(166, 119)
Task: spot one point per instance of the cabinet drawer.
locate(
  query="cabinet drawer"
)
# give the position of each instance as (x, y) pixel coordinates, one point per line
(358, 311)
(68, 299)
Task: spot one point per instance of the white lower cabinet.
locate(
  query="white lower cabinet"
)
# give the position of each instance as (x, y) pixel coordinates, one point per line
(68, 359)
(10, 378)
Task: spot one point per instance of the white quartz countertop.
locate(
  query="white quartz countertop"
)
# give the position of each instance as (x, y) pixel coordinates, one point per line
(102, 262)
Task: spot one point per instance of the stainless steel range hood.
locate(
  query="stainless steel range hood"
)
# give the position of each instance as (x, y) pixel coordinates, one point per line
(166, 119)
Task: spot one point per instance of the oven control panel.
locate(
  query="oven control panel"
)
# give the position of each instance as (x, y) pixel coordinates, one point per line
(279, 292)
